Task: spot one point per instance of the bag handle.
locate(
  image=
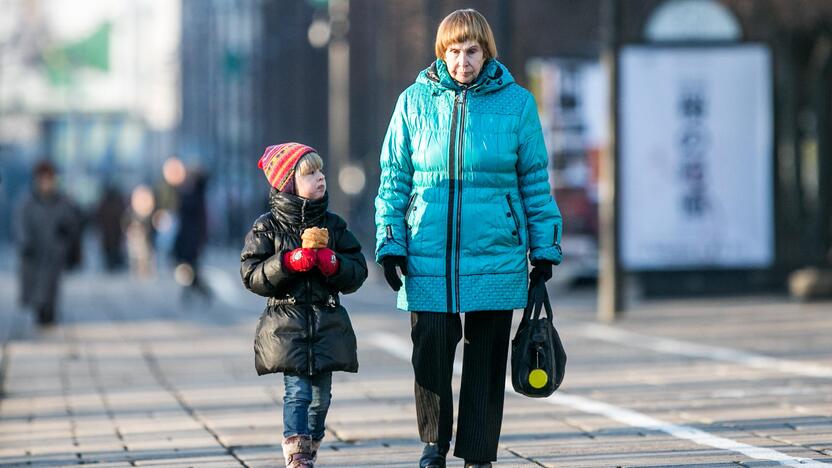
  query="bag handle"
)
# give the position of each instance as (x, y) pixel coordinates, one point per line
(537, 301)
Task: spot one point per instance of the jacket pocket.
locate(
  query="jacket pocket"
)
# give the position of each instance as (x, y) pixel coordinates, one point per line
(515, 220)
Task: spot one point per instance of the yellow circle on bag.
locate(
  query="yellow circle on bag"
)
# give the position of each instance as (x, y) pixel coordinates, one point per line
(538, 378)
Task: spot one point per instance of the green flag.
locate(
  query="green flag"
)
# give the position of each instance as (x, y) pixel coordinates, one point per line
(92, 51)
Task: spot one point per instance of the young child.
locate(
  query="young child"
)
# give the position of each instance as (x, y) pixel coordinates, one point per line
(302, 257)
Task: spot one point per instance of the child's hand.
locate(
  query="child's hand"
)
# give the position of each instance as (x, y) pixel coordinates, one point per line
(299, 260)
(327, 262)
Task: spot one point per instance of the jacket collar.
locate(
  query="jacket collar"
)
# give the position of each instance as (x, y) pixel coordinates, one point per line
(493, 76)
(291, 209)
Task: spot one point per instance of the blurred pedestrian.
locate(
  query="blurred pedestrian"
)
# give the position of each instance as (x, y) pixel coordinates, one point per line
(301, 257)
(46, 227)
(191, 235)
(75, 254)
(109, 216)
(464, 197)
(139, 233)
(165, 219)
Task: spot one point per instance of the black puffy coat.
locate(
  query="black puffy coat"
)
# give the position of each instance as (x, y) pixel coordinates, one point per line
(304, 329)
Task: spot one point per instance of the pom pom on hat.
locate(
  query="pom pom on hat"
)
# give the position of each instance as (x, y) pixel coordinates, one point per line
(280, 161)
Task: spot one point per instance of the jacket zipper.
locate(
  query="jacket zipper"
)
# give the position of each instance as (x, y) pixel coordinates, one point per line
(557, 244)
(409, 209)
(449, 289)
(460, 155)
(516, 221)
(309, 315)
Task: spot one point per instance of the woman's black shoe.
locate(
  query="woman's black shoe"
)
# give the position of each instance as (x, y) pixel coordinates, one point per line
(470, 464)
(433, 455)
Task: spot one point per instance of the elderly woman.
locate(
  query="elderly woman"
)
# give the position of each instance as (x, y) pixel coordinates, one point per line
(464, 196)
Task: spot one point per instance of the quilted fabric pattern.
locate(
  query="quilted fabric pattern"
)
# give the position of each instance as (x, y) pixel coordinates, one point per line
(501, 291)
(509, 101)
(423, 294)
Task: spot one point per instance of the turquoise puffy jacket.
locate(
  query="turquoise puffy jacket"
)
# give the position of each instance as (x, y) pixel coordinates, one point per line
(464, 192)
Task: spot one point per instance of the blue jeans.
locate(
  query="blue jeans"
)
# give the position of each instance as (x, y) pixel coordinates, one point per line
(305, 403)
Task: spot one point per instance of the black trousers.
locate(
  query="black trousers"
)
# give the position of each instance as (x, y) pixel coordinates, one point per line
(435, 336)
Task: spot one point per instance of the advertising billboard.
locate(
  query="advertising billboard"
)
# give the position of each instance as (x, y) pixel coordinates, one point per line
(696, 157)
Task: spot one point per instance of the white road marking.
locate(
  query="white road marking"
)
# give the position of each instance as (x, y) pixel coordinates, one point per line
(715, 353)
(401, 348)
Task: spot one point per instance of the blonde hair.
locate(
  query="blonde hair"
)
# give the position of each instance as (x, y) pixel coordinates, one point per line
(309, 163)
(465, 25)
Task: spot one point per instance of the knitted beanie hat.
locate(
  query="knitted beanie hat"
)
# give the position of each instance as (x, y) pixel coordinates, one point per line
(279, 163)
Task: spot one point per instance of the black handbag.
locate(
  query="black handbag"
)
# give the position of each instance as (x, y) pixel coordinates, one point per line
(538, 360)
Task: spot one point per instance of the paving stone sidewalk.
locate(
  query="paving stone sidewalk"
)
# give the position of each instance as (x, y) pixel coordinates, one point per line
(134, 376)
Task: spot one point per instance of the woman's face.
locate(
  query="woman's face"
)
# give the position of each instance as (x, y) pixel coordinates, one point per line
(464, 61)
(311, 186)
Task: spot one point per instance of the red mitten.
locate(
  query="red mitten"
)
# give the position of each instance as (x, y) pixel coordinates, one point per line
(327, 262)
(299, 260)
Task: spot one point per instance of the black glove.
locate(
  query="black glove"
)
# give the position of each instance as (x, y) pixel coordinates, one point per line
(541, 271)
(390, 263)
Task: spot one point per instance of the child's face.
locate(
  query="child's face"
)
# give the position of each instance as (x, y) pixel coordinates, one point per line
(311, 186)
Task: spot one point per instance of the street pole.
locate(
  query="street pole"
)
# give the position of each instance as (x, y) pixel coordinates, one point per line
(610, 291)
(339, 102)
(432, 19)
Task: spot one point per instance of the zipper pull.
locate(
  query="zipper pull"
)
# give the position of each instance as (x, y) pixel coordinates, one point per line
(459, 97)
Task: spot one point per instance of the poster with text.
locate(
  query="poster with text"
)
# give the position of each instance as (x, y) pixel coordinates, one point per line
(696, 158)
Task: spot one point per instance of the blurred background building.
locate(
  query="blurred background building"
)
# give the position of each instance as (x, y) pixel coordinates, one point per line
(93, 86)
(723, 112)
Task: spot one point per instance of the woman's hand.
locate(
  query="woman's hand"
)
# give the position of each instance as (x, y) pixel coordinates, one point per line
(389, 264)
(541, 271)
